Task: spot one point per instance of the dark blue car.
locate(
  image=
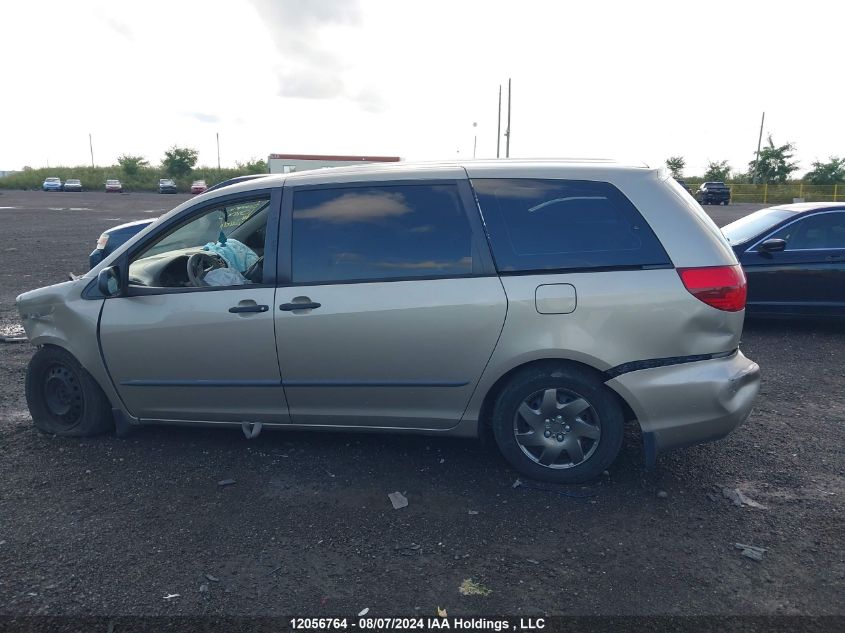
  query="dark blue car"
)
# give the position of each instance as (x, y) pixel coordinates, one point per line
(114, 237)
(794, 258)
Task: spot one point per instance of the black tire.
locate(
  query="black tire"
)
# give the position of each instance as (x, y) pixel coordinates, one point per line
(63, 398)
(568, 385)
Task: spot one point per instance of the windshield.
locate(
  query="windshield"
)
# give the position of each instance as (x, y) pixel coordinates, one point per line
(52, 180)
(207, 228)
(753, 225)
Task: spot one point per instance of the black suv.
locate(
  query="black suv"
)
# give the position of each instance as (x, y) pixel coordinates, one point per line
(713, 193)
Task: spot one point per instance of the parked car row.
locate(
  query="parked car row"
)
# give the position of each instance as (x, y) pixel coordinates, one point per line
(113, 185)
(117, 235)
(75, 184)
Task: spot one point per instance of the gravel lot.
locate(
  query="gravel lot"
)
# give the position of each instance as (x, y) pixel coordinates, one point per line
(110, 526)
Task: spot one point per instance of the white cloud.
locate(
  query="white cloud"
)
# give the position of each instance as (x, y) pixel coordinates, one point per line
(642, 80)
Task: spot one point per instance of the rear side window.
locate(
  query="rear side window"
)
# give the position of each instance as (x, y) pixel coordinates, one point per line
(376, 233)
(564, 224)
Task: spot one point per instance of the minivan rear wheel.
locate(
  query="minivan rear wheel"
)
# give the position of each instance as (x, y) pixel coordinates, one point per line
(63, 398)
(558, 424)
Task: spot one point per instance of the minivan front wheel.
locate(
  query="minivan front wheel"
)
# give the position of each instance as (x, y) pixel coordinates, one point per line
(558, 424)
(63, 398)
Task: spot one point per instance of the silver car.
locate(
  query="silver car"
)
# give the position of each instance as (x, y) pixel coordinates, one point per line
(545, 303)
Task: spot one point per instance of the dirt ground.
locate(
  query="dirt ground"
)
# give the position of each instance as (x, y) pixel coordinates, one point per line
(109, 526)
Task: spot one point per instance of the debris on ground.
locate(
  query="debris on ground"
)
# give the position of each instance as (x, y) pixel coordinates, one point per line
(226, 482)
(517, 483)
(204, 588)
(170, 596)
(441, 613)
(212, 578)
(409, 550)
(471, 588)
(739, 499)
(751, 551)
(398, 500)
(363, 612)
(662, 494)
(13, 334)
(532, 561)
(473, 512)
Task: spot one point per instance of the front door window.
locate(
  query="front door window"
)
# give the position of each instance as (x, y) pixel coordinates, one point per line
(224, 246)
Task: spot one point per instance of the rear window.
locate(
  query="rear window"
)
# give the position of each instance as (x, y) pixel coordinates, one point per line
(564, 224)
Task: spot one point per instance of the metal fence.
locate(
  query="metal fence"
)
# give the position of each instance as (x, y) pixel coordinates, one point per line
(778, 194)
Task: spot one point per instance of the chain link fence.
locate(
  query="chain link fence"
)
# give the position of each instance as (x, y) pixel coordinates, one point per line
(786, 193)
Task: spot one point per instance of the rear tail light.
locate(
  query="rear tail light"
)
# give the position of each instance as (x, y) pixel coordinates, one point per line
(722, 287)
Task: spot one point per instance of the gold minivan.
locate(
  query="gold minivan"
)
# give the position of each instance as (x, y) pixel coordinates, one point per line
(544, 302)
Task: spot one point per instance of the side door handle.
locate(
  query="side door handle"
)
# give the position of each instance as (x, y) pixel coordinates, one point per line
(249, 308)
(289, 307)
(835, 258)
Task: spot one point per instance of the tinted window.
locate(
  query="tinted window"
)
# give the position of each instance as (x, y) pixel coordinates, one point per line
(559, 224)
(380, 232)
(825, 230)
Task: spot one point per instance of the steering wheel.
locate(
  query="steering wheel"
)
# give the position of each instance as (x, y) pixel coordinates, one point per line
(200, 264)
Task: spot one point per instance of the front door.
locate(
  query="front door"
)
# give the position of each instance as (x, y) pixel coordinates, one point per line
(808, 277)
(194, 340)
(393, 309)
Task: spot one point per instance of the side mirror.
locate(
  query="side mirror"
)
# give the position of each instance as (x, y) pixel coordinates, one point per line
(772, 246)
(108, 282)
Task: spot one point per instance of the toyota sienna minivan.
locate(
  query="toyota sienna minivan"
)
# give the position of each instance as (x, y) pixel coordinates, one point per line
(545, 303)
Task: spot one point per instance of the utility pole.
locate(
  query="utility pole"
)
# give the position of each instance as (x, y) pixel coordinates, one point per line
(499, 125)
(474, 139)
(218, 151)
(91, 147)
(757, 160)
(508, 130)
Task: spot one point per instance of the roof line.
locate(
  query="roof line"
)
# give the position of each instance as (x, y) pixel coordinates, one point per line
(374, 159)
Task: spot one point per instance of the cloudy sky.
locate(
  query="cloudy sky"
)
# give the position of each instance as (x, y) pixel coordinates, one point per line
(634, 80)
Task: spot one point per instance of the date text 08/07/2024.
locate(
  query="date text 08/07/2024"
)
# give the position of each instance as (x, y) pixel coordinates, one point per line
(417, 624)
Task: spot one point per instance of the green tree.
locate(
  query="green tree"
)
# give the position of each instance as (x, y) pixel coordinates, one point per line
(131, 165)
(253, 166)
(179, 161)
(829, 173)
(676, 165)
(719, 171)
(773, 165)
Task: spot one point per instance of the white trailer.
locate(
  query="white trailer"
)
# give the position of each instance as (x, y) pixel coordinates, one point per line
(287, 163)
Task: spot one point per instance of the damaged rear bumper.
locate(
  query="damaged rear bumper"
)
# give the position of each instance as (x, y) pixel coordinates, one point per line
(682, 405)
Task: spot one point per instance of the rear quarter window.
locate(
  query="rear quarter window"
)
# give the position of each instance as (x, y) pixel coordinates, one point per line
(564, 224)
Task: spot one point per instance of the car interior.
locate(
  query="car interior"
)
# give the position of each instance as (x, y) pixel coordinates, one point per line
(226, 238)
